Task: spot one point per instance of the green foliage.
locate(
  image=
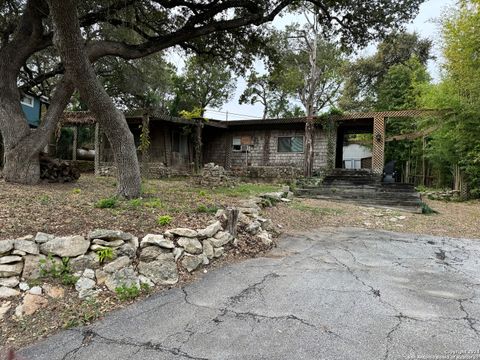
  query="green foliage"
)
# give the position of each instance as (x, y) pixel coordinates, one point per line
(427, 210)
(202, 193)
(164, 220)
(44, 199)
(107, 203)
(76, 191)
(207, 209)
(87, 311)
(105, 253)
(135, 203)
(50, 268)
(127, 293)
(154, 203)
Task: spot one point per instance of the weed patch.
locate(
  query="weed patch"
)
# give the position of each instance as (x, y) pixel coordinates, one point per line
(108, 203)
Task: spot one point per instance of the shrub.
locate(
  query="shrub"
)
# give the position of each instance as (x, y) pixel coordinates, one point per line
(107, 203)
(427, 210)
(105, 253)
(125, 293)
(164, 220)
(51, 268)
(211, 209)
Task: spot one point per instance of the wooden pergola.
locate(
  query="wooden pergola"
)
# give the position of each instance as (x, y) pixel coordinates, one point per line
(379, 129)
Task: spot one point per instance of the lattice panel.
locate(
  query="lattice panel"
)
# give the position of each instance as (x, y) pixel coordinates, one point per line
(378, 153)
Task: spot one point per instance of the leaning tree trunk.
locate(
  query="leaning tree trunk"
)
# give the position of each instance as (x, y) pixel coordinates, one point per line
(72, 50)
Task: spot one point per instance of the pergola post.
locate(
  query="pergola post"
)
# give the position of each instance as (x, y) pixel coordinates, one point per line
(378, 152)
(75, 143)
(97, 149)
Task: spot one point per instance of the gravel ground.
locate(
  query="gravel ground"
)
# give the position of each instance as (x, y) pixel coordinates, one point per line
(453, 219)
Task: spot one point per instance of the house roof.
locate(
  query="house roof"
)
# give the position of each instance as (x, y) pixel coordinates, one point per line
(86, 118)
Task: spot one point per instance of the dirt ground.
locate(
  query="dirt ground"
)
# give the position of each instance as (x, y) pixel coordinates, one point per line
(453, 219)
(66, 209)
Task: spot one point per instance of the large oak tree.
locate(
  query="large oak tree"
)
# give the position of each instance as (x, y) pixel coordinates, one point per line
(232, 27)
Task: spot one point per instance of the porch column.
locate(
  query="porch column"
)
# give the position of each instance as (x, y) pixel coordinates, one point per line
(378, 151)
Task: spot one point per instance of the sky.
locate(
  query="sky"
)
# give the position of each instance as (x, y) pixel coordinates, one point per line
(425, 24)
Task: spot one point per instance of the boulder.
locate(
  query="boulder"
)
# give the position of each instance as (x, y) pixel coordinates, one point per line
(192, 262)
(184, 232)
(69, 246)
(10, 259)
(7, 292)
(6, 246)
(151, 253)
(207, 249)
(117, 264)
(27, 246)
(161, 272)
(109, 235)
(191, 245)
(10, 282)
(156, 240)
(124, 277)
(210, 230)
(112, 244)
(41, 237)
(221, 238)
(11, 270)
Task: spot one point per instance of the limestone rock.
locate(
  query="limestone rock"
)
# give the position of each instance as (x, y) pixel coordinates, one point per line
(178, 252)
(34, 263)
(10, 259)
(36, 290)
(117, 264)
(192, 262)
(157, 240)
(109, 235)
(191, 245)
(11, 270)
(41, 237)
(124, 277)
(207, 249)
(210, 230)
(127, 250)
(24, 286)
(253, 228)
(89, 274)
(150, 253)
(69, 246)
(112, 244)
(18, 252)
(6, 246)
(84, 284)
(184, 232)
(6, 292)
(27, 246)
(221, 239)
(161, 272)
(265, 238)
(31, 303)
(88, 261)
(218, 252)
(10, 282)
(55, 292)
(144, 280)
(101, 276)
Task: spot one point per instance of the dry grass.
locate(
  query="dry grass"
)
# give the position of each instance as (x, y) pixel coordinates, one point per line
(65, 209)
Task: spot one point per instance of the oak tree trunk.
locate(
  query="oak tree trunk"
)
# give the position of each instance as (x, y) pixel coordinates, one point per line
(71, 46)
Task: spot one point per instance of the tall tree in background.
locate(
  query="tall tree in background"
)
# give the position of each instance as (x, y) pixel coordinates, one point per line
(230, 27)
(205, 82)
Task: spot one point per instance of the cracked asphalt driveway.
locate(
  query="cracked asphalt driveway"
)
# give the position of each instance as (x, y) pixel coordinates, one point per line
(327, 294)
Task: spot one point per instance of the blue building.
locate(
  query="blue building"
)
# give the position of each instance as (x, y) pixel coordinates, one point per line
(32, 107)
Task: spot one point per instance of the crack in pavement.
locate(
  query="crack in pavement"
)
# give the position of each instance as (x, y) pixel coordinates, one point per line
(471, 321)
(89, 336)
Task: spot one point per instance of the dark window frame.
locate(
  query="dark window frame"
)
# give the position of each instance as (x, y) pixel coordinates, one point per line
(291, 149)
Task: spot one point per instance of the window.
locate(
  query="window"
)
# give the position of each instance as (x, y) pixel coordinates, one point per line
(237, 144)
(290, 144)
(27, 100)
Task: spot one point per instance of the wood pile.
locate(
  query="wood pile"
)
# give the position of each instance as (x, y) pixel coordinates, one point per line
(55, 170)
